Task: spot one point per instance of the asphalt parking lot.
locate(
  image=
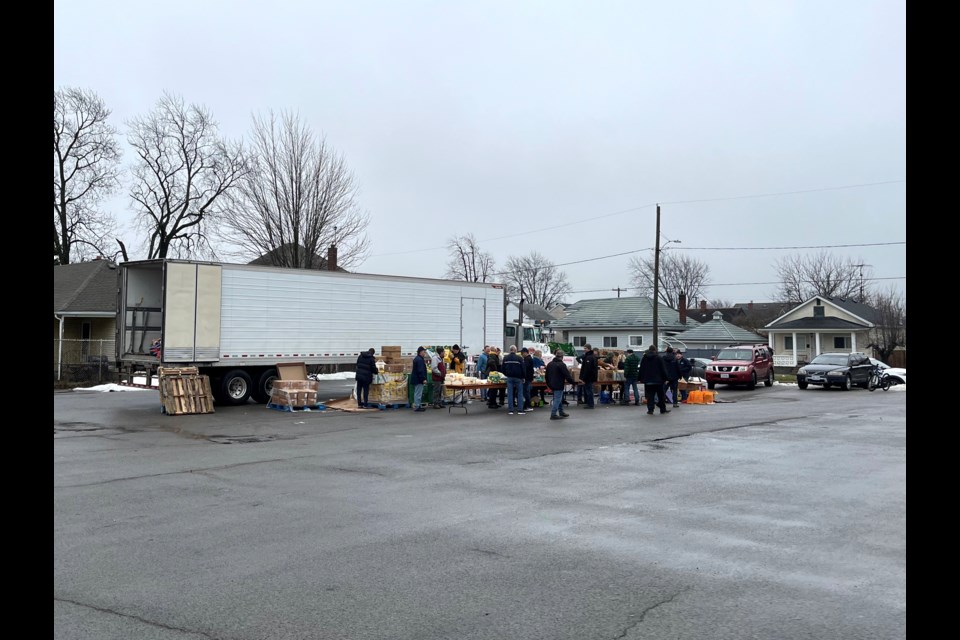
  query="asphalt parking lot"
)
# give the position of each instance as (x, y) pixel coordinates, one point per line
(777, 513)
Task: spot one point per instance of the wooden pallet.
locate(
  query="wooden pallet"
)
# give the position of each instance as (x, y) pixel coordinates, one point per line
(184, 391)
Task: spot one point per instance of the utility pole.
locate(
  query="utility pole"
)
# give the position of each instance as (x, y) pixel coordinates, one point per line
(518, 339)
(656, 284)
(618, 291)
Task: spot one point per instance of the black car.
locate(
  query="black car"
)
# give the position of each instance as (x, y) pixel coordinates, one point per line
(836, 370)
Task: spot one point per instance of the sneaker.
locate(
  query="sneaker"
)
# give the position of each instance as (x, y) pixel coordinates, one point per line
(564, 415)
(419, 409)
(649, 413)
(555, 418)
(665, 411)
(676, 405)
(520, 413)
(509, 413)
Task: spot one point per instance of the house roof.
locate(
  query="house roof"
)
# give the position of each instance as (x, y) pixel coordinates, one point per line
(85, 288)
(718, 331)
(868, 314)
(537, 312)
(706, 315)
(273, 257)
(823, 324)
(635, 312)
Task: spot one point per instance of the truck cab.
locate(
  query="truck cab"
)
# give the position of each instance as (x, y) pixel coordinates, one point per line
(532, 337)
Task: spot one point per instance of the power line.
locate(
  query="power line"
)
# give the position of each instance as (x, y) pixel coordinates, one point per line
(741, 284)
(625, 253)
(653, 204)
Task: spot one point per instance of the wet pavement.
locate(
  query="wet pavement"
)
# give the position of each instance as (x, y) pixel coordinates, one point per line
(777, 513)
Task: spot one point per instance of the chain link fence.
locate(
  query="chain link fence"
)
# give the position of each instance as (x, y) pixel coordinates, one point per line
(83, 362)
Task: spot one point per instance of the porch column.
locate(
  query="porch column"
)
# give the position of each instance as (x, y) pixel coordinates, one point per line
(794, 334)
(853, 341)
(817, 343)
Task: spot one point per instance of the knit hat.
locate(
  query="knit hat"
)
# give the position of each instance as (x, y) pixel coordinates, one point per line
(652, 349)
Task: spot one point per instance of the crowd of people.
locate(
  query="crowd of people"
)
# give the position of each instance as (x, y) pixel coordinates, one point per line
(659, 373)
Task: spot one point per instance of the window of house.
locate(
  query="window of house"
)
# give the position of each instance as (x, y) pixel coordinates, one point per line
(635, 341)
(579, 341)
(788, 342)
(610, 342)
(818, 312)
(841, 342)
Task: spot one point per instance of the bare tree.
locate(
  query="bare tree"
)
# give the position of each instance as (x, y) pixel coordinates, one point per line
(891, 322)
(805, 276)
(86, 160)
(298, 199)
(541, 282)
(183, 170)
(467, 261)
(678, 274)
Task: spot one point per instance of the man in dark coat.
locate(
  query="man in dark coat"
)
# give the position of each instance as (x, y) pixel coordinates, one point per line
(557, 375)
(513, 369)
(366, 366)
(686, 367)
(528, 371)
(653, 375)
(673, 375)
(418, 377)
(588, 374)
(495, 397)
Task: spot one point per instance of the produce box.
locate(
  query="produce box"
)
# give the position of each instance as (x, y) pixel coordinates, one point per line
(389, 388)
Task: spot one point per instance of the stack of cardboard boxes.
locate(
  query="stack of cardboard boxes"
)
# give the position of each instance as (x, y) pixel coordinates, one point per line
(393, 361)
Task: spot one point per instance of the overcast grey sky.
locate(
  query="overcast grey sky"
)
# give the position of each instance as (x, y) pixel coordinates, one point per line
(553, 126)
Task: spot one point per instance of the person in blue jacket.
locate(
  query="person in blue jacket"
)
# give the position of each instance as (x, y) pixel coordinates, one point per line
(418, 377)
(513, 369)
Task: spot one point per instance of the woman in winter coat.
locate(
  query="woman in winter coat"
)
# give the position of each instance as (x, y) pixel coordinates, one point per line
(366, 365)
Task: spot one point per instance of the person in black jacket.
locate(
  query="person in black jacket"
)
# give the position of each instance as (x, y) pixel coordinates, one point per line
(528, 369)
(513, 369)
(685, 368)
(366, 365)
(495, 397)
(673, 375)
(419, 377)
(556, 377)
(653, 375)
(588, 374)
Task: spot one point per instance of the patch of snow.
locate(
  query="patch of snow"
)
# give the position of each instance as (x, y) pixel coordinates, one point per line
(111, 387)
(342, 375)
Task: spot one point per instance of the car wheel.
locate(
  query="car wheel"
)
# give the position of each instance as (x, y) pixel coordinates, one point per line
(768, 382)
(753, 381)
(847, 384)
(802, 385)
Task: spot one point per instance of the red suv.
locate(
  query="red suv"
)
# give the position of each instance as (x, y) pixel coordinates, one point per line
(742, 364)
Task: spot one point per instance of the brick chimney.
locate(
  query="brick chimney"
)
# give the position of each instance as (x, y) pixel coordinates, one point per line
(703, 305)
(332, 258)
(683, 308)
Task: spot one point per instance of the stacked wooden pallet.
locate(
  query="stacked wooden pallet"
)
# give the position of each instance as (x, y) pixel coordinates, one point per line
(183, 391)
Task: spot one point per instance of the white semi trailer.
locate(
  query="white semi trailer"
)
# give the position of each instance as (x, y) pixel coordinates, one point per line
(237, 322)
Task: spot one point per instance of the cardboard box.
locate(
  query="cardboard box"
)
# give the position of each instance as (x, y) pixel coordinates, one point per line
(292, 370)
(294, 393)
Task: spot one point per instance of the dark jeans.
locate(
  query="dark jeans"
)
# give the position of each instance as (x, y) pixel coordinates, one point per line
(588, 393)
(363, 393)
(654, 392)
(673, 386)
(495, 395)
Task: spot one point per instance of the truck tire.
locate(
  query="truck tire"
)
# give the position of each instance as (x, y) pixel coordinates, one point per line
(261, 392)
(236, 387)
(753, 381)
